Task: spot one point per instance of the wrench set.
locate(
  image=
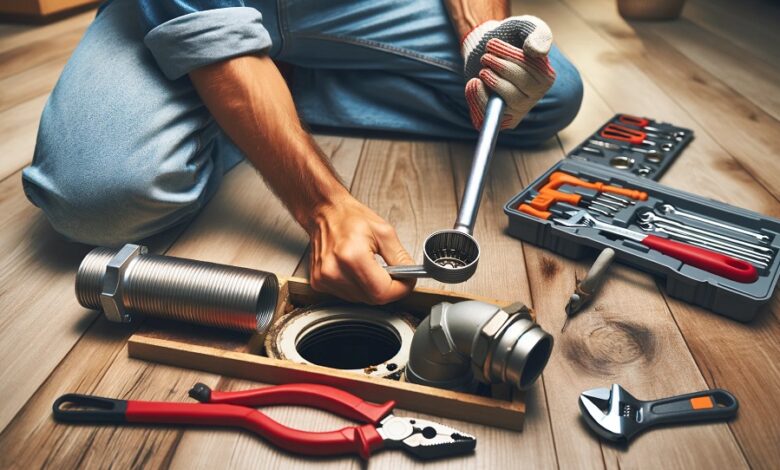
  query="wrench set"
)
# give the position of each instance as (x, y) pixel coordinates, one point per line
(711, 254)
(638, 145)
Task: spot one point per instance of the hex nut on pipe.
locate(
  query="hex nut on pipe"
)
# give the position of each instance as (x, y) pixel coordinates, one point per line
(131, 281)
(458, 344)
(111, 295)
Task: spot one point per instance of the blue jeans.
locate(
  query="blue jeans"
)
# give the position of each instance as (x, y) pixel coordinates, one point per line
(124, 152)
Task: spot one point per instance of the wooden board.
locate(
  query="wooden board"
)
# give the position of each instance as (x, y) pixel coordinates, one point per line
(192, 354)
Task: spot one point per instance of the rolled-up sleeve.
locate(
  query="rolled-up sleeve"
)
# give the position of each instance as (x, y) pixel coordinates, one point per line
(183, 43)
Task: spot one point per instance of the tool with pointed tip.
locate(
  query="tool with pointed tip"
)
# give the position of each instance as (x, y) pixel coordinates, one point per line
(587, 288)
(451, 256)
(725, 266)
(616, 415)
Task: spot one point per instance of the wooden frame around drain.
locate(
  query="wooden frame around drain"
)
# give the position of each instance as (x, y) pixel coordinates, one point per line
(505, 409)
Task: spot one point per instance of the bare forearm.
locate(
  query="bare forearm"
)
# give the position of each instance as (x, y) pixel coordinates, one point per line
(467, 14)
(251, 102)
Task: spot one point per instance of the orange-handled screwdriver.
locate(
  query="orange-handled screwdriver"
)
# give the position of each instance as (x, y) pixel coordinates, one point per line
(559, 178)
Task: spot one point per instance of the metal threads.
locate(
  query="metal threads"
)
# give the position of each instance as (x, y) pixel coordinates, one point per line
(184, 290)
(89, 279)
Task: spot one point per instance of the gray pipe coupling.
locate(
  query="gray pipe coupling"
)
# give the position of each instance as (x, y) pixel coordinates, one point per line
(467, 341)
(129, 281)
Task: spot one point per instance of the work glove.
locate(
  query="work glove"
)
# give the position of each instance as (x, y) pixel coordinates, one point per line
(509, 58)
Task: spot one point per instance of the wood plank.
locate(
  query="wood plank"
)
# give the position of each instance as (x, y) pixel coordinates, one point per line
(27, 56)
(754, 79)
(753, 29)
(31, 83)
(118, 375)
(702, 330)
(18, 129)
(639, 72)
(29, 34)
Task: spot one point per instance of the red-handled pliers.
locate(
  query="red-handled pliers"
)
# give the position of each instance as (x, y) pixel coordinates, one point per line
(422, 438)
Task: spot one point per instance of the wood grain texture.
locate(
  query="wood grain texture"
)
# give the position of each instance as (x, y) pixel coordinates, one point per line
(713, 340)
(753, 28)
(637, 63)
(686, 73)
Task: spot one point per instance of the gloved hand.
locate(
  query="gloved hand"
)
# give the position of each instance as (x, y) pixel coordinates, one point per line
(507, 57)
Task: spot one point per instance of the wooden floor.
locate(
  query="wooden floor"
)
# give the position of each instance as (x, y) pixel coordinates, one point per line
(717, 71)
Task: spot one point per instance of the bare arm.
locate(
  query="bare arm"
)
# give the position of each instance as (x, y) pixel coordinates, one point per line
(251, 102)
(468, 14)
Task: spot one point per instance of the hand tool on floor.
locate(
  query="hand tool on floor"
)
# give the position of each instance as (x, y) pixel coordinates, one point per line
(422, 438)
(615, 415)
(632, 136)
(733, 251)
(668, 209)
(644, 124)
(451, 256)
(656, 219)
(588, 287)
(725, 266)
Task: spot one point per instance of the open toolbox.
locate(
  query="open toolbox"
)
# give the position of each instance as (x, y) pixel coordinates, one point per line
(242, 355)
(638, 145)
(666, 213)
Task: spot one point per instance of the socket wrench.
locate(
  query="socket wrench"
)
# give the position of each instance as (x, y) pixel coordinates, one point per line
(451, 256)
(668, 209)
(654, 218)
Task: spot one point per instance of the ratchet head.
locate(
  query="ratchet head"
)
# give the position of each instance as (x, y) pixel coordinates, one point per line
(612, 413)
(450, 256)
(423, 438)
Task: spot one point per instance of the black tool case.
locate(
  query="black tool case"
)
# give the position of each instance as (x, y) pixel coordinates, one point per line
(740, 301)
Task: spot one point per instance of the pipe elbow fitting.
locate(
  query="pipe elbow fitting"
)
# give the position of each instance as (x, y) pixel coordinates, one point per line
(458, 344)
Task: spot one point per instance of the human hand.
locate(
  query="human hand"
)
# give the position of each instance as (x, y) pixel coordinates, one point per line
(344, 239)
(507, 57)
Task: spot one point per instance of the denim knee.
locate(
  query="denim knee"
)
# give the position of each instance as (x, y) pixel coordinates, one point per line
(113, 200)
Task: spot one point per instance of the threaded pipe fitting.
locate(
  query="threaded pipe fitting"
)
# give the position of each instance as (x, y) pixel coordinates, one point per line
(131, 281)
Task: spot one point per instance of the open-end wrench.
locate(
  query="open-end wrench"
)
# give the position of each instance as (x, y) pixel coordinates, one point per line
(616, 415)
(683, 233)
(722, 265)
(668, 209)
(655, 219)
(736, 252)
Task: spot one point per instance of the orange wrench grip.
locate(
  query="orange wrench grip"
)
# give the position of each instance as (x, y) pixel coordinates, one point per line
(559, 178)
(526, 209)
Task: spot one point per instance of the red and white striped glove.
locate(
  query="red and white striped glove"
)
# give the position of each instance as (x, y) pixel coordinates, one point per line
(507, 57)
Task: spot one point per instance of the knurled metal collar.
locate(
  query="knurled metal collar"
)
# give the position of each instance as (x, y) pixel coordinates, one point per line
(111, 295)
(482, 351)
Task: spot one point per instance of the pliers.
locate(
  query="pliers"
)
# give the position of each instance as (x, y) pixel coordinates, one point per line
(420, 437)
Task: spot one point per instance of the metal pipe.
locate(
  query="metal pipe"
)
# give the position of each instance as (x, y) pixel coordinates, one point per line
(129, 281)
(471, 340)
(483, 155)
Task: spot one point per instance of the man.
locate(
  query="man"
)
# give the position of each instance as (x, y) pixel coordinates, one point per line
(161, 97)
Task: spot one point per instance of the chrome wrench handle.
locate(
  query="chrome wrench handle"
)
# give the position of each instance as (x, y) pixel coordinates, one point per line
(483, 155)
(407, 271)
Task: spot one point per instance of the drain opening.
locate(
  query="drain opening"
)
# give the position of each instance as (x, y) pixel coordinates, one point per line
(349, 344)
